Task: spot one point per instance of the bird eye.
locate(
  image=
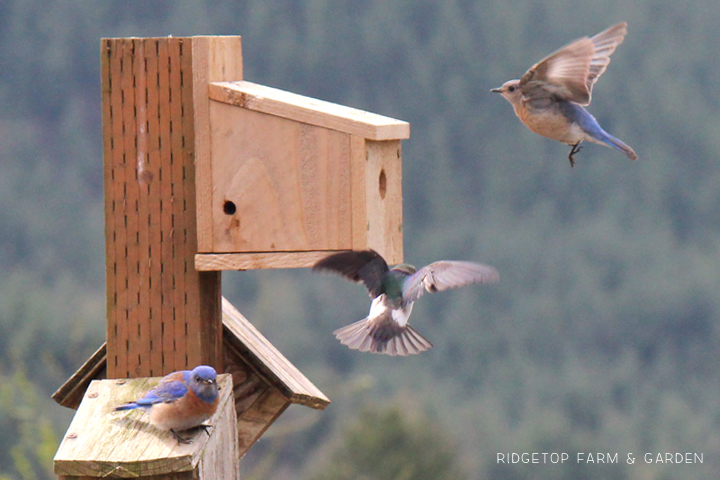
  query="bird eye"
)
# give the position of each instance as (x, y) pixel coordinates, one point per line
(511, 88)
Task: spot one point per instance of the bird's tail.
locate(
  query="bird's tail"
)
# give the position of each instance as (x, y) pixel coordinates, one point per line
(388, 338)
(620, 146)
(127, 406)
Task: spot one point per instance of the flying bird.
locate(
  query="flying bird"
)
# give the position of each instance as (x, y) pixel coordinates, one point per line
(385, 329)
(181, 401)
(550, 97)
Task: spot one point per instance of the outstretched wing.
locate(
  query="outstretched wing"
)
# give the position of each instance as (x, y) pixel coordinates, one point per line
(366, 266)
(445, 274)
(570, 72)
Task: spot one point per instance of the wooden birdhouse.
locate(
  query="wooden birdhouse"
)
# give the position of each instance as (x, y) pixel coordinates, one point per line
(290, 179)
(205, 172)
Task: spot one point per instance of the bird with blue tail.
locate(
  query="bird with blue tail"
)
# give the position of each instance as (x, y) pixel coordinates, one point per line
(181, 401)
(550, 97)
(385, 330)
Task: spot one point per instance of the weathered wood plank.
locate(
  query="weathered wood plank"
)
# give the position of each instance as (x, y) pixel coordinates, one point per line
(71, 393)
(152, 177)
(101, 442)
(112, 155)
(253, 422)
(167, 284)
(309, 110)
(302, 390)
(132, 350)
(182, 284)
(255, 261)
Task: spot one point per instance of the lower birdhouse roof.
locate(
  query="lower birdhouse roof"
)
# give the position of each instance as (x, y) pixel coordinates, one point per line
(244, 338)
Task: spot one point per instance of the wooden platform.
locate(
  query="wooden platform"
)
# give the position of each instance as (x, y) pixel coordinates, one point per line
(103, 443)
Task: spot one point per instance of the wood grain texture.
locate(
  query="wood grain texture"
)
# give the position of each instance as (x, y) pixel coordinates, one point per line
(259, 260)
(71, 393)
(383, 197)
(101, 442)
(163, 315)
(278, 185)
(214, 59)
(309, 110)
(259, 351)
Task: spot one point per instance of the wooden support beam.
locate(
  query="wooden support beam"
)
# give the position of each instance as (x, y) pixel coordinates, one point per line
(163, 315)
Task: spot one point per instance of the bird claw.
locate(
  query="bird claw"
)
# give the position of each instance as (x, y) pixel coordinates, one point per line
(188, 440)
(180, 439)
(575, 149)
(205, 428)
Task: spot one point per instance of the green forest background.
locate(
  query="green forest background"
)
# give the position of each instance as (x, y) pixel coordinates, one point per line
(603, 334)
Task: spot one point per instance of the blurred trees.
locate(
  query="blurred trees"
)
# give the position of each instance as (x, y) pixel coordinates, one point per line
(383, 444)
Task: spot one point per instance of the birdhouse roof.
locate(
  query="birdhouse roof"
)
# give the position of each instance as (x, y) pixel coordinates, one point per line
(255, 349)
(309, 110)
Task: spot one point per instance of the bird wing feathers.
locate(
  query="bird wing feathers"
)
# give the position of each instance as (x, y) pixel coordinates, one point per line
(382, 336)
(570, 72)
(366, 267)
(445, 274)
(165, 392)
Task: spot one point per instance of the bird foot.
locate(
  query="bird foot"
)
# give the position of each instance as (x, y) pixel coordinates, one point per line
(206, 428)
(188, 440)
(180, 439)
(575, 149)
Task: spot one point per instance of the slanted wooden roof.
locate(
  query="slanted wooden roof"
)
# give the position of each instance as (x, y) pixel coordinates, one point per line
(309, 110)
(244, 338)
(283, 374)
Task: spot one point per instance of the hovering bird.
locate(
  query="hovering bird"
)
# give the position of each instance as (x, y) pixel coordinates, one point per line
(181, 401)
(385, 329)
(550, 97)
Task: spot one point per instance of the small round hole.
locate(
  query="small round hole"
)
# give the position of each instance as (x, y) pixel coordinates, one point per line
(229, 207)
(382, 184)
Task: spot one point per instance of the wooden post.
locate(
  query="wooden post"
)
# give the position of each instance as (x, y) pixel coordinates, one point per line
(162, 314)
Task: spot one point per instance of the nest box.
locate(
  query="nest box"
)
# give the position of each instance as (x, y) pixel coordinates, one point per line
(290, 179)
(284, 180)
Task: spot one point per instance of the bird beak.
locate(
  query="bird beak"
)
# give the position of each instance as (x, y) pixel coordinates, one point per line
(496, 90)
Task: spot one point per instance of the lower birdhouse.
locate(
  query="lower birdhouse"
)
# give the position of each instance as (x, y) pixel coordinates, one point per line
(102, 443)
(264, 382)
(290, 179)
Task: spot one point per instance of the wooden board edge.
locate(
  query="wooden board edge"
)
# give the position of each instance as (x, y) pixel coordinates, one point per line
(309, 110)
(259, 260)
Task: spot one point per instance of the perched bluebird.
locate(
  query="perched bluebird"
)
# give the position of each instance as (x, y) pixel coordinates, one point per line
(182, 400)
(385, 329)
(550, 97)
